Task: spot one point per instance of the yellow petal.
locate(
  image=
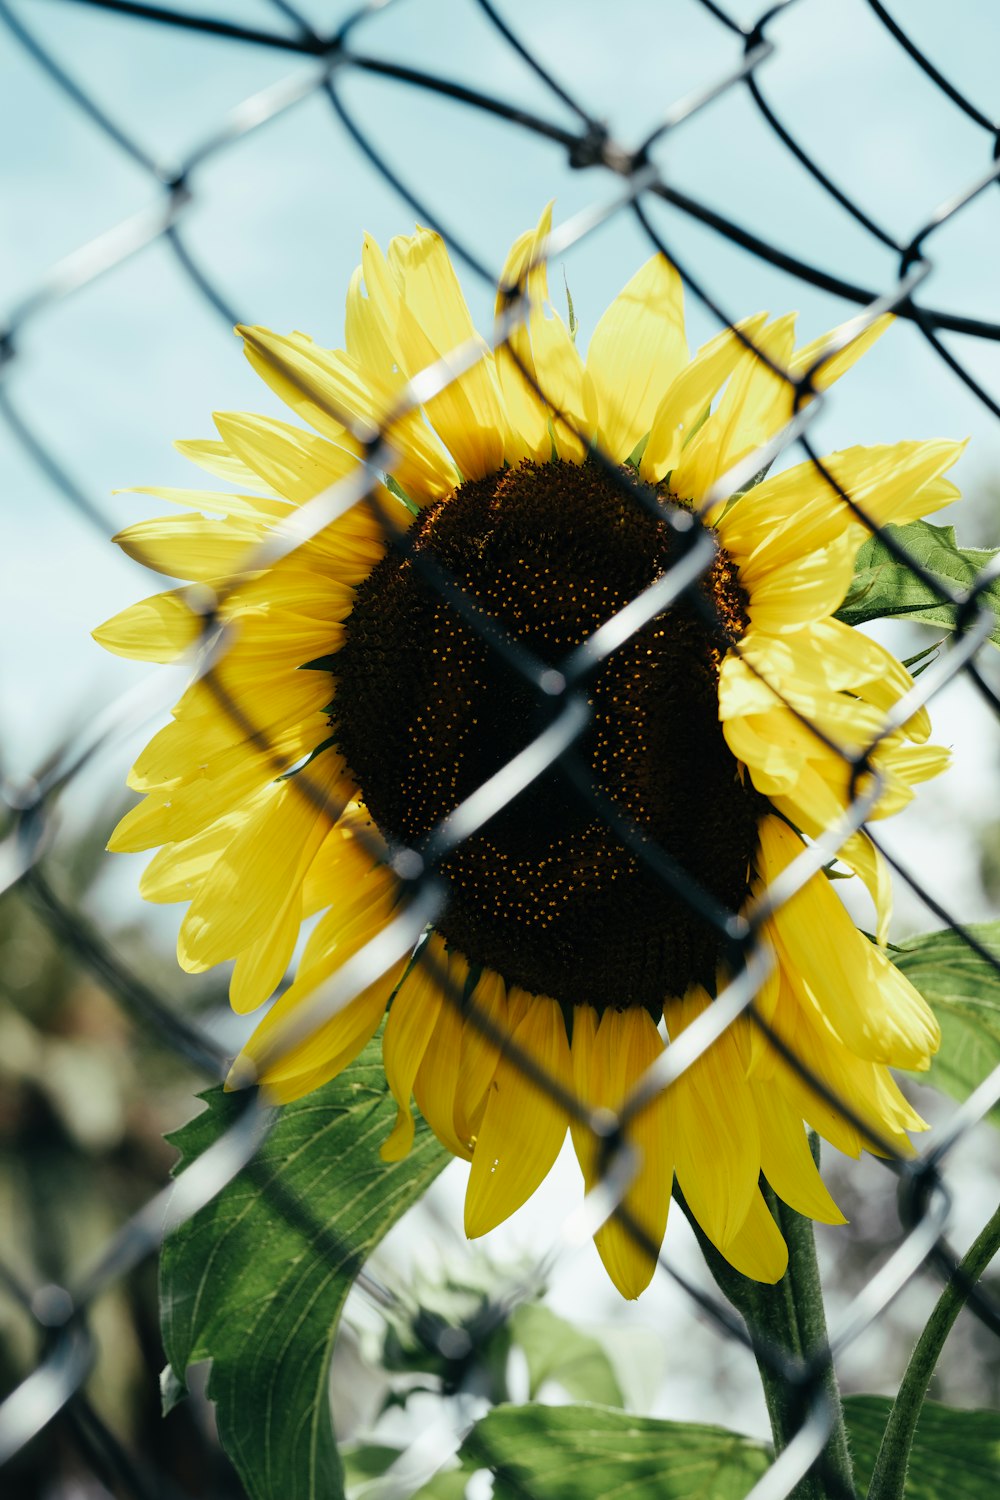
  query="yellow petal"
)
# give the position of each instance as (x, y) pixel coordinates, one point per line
(527, 412)
(176, 872)
(714, 1127)
(758, 1249)
(636, 350)
(215, 719)
(261, 870)
(768, 744)
(810, 588)
(425, 317)
(364, 913)
(326, 879)
(523, 1127)
(178, 812)
(786, 1160)
(832, 655)
(797, 511)
(296, 463)
(865, 1088)
(158, 629)
(837, 364)
(334, 1047)
(608, 1061)
(330, 390)
(436, 1081)
(812, 805)
(260, 510)
(260, 968)
(192, 546)
(560, 379)
(365, 336)
(689, 395)
(487, 1005)
(547, 352)
(867, 1001)
(408, 1032)
(234, 695)
(218, 459)
(308, 582)
(755, 405)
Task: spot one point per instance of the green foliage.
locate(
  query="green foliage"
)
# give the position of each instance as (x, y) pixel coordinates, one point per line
(592, 1453)
(258, 1289)
(451, 1329)
(955, 1453)
(963, 990)
(595, 1453)
(363, 1462)
(555, 1350)
(884, 588)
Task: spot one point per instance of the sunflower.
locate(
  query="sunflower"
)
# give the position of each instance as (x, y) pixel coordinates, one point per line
(366, 690)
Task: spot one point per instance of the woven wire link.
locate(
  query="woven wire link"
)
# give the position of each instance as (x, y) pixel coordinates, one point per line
(62, 1315)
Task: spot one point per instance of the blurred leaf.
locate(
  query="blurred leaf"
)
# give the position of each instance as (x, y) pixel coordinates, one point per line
(963, 990)
(364, 1462)
(594, 1453)
(257, 1280)
(955, 1453)
(448, 1485)
(591, 1453)
(555, 1350)
(454, 1322)
(884, 588)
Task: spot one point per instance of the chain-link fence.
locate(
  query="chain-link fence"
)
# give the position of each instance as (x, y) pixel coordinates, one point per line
(636, 184)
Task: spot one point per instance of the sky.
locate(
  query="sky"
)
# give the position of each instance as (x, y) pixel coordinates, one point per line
(110, 373)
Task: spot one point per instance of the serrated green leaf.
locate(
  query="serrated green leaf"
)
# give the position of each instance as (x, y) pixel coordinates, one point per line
(884, 588)
(963, 990)
(257, 1286)
(555, 1350)
(596, 1453)
(955, 1453)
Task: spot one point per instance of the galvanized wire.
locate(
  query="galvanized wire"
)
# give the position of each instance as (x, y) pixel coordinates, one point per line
(62, 1315)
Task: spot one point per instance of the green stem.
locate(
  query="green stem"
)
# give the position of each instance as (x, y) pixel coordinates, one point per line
(789, 1318)
(806, 1289)
(889, 1475)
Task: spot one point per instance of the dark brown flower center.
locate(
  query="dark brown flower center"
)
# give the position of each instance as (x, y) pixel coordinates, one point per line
(546, 893)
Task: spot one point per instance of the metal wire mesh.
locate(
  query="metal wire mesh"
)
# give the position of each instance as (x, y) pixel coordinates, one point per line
(62, 1316)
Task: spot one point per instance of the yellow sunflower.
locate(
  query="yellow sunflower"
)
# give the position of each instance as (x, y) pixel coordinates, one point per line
(354, 698)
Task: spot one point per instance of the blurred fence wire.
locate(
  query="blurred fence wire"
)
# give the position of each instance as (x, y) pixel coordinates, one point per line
(62, 1315)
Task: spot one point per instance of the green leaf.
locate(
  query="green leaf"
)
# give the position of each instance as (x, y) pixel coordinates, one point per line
(555, 1350)
(256, 1282)
(594, 1453)
(364, 1462)
(955, 1453)
(885, 588)
(963, 990)
(448, 1485)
